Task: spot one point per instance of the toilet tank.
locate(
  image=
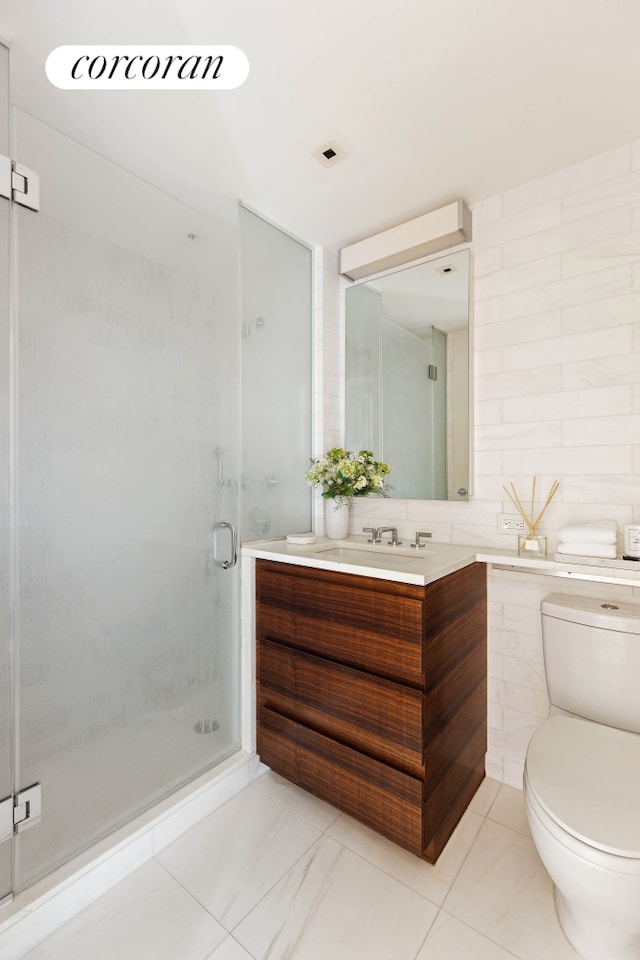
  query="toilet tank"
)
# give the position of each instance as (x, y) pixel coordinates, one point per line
(592, 658)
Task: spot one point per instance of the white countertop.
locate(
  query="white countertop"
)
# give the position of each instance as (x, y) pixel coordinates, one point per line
(406, 565)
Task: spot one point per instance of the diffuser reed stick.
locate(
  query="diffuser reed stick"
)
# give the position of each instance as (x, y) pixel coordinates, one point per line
(552, 493)
(529, 520)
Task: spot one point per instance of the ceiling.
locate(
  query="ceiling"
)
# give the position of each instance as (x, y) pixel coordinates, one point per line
(432, 100)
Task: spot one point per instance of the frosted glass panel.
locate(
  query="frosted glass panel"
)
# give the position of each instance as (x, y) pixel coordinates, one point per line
(127, 455)
(4, 101)
(5, 516)
(276, 380)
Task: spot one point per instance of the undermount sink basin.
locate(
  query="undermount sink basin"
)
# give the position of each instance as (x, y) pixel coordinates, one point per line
(359, 553)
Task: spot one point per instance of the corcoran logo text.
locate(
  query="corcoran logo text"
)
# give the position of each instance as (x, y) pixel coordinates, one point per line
(147, 67)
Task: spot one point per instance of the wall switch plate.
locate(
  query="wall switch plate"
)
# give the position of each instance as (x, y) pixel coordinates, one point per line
(510, 523)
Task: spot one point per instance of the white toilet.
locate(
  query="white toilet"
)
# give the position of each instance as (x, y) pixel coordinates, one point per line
(582, 773)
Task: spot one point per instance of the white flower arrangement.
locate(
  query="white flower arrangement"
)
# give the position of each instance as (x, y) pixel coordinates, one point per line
(342, 474)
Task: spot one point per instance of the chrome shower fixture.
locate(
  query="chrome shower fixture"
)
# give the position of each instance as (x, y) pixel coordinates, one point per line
(250, 325)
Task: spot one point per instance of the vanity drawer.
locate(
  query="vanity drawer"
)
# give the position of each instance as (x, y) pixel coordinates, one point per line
(373, 624)
(380, 717)
(380, 796)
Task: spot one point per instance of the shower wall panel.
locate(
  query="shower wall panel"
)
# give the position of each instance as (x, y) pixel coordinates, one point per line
(276, 380)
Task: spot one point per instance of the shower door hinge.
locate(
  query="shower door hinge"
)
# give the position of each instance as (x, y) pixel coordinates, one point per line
(19, 183)
(432, 371)
(21, 811)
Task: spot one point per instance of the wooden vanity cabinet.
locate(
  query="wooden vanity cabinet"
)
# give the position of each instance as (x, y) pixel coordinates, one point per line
(372, 694)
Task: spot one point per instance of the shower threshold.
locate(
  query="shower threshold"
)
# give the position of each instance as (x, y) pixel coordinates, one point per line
(37, 912)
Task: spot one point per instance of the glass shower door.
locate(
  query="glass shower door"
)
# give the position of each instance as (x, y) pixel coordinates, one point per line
(126, 626)
(5, 514)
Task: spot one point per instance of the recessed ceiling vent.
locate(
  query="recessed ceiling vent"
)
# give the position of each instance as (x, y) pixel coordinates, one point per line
(329, 154)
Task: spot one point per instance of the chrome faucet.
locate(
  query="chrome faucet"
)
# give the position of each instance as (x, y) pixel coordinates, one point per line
(419, 535)
(394, 542)
(375, 535)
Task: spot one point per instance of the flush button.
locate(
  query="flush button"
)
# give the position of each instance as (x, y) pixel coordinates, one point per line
(609, 606)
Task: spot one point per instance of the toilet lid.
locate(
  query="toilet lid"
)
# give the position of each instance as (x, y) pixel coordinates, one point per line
(587, 778)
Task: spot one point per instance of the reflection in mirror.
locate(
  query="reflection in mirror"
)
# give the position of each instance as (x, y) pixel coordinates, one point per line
(407, 376)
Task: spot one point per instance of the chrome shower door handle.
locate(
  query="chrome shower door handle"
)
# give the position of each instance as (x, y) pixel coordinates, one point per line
(233, 558)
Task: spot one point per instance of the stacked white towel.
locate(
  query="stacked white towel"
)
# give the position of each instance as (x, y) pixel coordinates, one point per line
(598, 539)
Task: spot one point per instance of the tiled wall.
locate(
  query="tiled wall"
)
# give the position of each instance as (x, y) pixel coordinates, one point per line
(557, 339)
(557, 394)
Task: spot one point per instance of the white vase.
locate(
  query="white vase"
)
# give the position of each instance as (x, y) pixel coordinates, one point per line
(336, 518)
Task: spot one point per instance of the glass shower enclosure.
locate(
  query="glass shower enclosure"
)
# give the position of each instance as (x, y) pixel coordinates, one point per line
(6, 815)
(276, 380)
(119, 475)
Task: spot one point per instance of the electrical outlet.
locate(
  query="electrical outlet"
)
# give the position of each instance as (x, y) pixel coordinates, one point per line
(510, 523)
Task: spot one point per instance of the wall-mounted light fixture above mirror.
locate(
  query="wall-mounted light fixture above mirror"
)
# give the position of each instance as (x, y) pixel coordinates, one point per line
(407, 376)
(407, 242)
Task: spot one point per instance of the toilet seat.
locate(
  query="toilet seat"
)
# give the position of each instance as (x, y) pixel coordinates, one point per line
(586, 777)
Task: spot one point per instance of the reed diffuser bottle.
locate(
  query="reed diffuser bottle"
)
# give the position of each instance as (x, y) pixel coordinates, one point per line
(530, 543)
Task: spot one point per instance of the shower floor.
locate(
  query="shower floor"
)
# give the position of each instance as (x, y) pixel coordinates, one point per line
(88, 790)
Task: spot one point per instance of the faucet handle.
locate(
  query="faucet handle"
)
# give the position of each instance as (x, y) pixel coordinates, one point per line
(420, 534)
(374, 538)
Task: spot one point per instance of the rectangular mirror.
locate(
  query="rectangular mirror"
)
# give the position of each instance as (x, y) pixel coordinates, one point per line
(407, 376)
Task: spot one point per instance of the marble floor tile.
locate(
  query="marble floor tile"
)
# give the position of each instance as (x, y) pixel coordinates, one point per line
(508, 809)
(230, 860)
(450, 939)
(335, 904)
(275, 874)
(504, 893)
(230, 949)
(432, 881)
(484, 796)
(297, 800)
(146, 915)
